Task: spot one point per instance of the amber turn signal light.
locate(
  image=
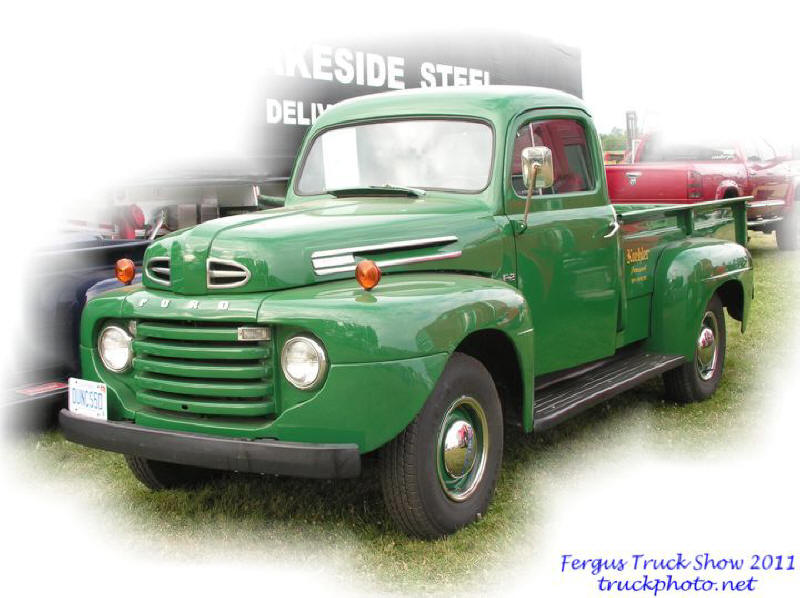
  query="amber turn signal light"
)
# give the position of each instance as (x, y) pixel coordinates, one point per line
(368, 274)
(125, 270)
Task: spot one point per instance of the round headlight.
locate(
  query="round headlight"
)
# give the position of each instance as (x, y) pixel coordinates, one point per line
(304, 362)
(114, 345)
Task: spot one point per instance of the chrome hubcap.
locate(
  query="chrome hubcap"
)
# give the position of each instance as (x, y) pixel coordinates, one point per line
(459, 449)
(707, 348)
(462, 448)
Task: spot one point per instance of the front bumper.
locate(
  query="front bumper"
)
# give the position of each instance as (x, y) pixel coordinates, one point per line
(20, 411)
(299, 459)
(765, 213)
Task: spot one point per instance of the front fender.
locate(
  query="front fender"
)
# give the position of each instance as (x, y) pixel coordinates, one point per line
(687, 275)
(794, 193)
(405, 316)
(386, 347)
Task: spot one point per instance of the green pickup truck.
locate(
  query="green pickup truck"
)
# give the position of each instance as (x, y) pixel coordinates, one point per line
(447, 264)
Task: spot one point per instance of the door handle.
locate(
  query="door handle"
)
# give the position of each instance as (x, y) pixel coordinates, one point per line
(614, 229)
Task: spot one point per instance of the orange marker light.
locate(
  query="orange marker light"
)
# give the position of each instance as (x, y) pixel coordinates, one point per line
(368, 274)
(125, 270)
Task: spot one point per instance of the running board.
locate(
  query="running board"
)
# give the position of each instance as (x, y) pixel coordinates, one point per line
(556, 403)
(763, 221)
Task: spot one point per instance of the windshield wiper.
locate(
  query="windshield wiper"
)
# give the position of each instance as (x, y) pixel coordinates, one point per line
(388, 190)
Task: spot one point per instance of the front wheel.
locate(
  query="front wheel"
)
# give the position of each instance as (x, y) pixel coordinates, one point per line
(159, 475)
(698, 379)
(439, 474)
(788, 231)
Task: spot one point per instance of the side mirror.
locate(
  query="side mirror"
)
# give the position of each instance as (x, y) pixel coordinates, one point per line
(537, 173)
(540, 159)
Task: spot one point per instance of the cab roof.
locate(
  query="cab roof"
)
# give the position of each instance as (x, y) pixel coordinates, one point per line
(498, 103)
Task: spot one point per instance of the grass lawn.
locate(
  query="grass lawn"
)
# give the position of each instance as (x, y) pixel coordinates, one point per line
(274, 520)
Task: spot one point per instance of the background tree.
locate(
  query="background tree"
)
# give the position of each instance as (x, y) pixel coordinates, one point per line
(615, 140)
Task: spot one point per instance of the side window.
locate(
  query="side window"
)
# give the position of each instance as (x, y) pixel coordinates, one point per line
(765, 150)
(572, 166)
(750, 151)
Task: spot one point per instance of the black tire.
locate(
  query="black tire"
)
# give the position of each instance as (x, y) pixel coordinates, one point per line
(412, 466)
(158, 475)
(788, 231)
(692, 382)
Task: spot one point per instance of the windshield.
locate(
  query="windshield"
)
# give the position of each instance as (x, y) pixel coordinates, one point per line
(450, 155)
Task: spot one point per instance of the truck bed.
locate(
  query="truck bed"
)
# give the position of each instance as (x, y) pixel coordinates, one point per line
(649, 183)
(649, 229)
(723, 219)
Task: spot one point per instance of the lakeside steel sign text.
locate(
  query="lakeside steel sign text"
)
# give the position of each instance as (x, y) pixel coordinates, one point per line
(301, 84)
(354, 67)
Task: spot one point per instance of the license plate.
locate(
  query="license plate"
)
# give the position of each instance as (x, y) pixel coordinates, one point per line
(88, 398)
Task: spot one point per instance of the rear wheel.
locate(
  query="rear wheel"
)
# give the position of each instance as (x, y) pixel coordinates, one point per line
(788, 231)
(159, 475)
(439, 474)
(698, 379)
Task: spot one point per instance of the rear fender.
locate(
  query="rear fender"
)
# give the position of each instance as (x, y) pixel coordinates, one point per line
(687, 275)
(725, 187)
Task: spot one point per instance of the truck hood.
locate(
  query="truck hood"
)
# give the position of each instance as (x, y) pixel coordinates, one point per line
(321, 240)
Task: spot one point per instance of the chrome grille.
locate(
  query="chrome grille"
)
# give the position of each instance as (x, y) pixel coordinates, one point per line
(158, 270)
(225, 274)
(201, 368)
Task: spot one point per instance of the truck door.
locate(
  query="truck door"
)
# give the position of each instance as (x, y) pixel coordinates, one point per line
(768, 185)
(568, 254)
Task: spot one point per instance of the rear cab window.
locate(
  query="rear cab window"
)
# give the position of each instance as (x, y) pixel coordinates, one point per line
(660, 148)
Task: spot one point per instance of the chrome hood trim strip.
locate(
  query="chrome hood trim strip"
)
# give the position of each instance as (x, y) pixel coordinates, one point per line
(396, 262)
(336, 261)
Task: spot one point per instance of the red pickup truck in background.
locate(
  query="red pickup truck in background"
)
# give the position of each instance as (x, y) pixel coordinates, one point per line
(681, 170)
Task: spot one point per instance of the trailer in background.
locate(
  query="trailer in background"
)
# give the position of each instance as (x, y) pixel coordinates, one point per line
(302, 84)
(298, 86)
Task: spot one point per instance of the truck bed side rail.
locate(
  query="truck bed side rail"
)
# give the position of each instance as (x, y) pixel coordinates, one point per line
(686, 214)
